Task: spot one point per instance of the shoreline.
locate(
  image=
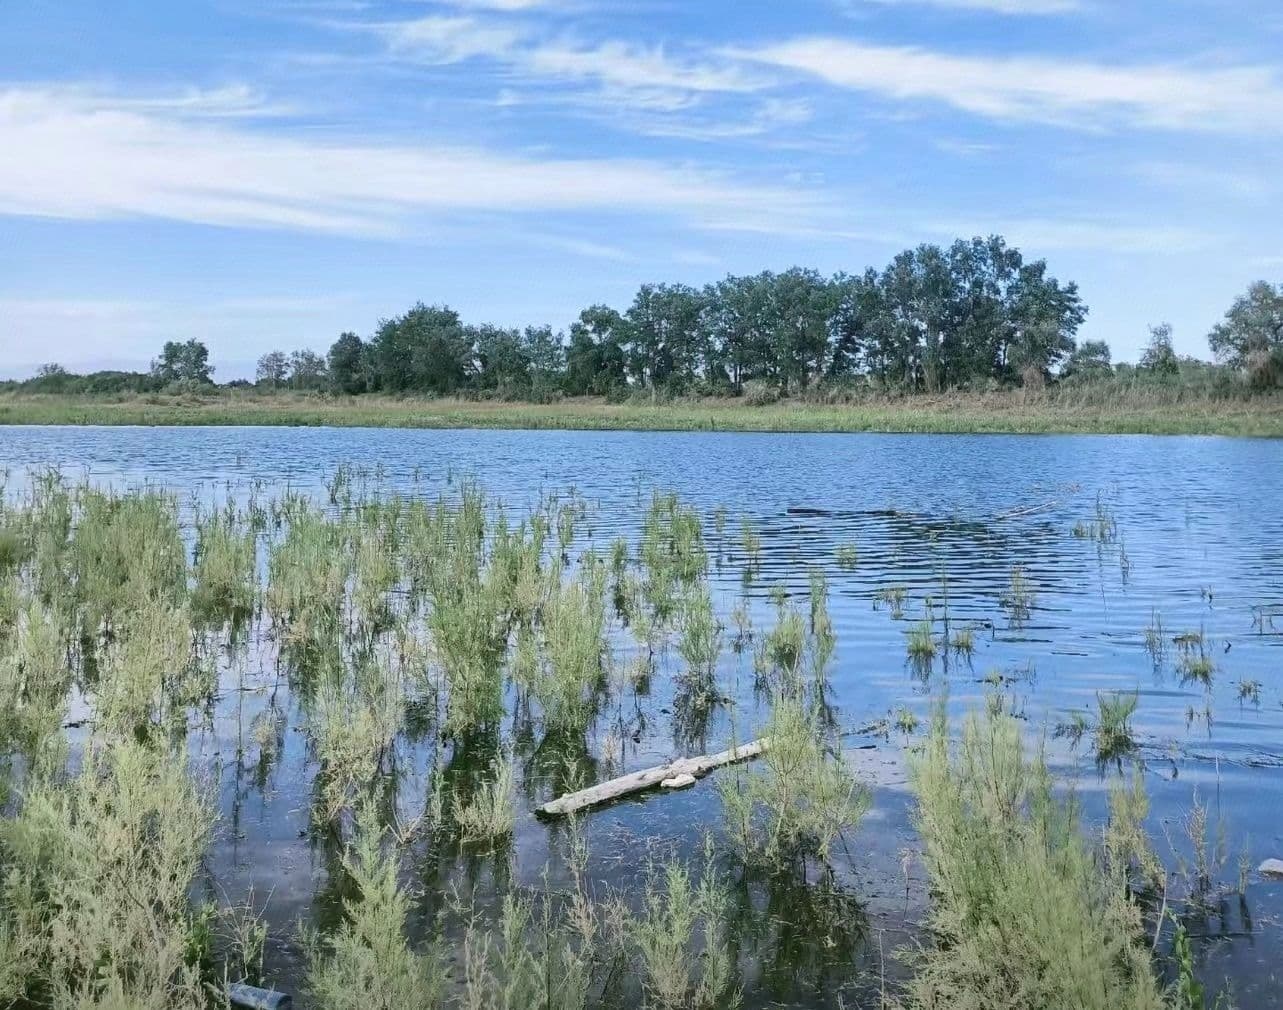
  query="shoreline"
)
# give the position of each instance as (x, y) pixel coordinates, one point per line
(1006, 413)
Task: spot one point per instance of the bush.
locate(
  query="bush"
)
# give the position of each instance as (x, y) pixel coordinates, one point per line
(759, 394)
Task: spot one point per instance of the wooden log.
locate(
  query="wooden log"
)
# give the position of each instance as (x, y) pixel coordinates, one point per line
(648, 778)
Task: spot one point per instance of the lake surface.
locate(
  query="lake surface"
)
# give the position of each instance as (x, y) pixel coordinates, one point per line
(1194, 546)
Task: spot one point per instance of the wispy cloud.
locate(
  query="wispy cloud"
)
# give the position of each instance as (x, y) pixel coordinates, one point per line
(1044, 89)
(149, 160)
(649, 76)
(1083, 234)
(1032, 7)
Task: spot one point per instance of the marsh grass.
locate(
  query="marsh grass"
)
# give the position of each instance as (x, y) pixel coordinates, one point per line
(98, 874)
(223, 574)
(1114, 736)
(891, 597)
(489, 815)
(1019, 599)
(800, 800)
(1024, 914)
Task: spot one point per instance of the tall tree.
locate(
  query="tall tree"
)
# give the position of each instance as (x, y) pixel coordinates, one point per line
(1251, 334)
(1159, 356)
(595, 360)
(272, 369)
(665, 328)
(187, 361)
(347, 363)
(426, 350)
(307, 370)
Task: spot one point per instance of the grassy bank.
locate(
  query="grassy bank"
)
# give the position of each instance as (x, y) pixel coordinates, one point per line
(1010, 411)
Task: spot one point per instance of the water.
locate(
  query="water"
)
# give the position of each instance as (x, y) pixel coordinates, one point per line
(1198, 541)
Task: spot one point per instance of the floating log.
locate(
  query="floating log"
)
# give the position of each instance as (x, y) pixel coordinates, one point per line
(648, 778)
(253, 998)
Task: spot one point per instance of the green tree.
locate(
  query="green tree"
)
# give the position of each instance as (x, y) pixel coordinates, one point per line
(347, 363)
(1090, 359)
(426, 350)
(1159, 357)
(183, 362)
(1042, 320)
(595, 361)
(1251, 334)
(272, 369)
(503, 365)
(307, 370)
(665, 327)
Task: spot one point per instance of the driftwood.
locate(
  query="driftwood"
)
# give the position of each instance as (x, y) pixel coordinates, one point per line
(648, 778)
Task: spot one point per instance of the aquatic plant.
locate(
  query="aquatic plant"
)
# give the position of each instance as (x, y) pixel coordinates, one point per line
(678, 918)
(800, 799)
(906, 721)
(1249, 690)
(1023, 913)
(96, 907)
(566, 683)
(848, 556)
(700, 641)
(921, 644)
(489, 815)
(223, 575)
(367, 962)
(1019, 598)
(963, 641)
(1113, 726)
(891, 597)
(1155, 638)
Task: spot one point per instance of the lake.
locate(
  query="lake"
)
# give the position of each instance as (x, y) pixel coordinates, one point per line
(1129, 548)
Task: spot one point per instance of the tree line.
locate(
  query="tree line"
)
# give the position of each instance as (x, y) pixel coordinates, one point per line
(974, 315)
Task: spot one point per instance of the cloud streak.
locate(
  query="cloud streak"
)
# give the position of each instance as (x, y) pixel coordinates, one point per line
(1014, 7)
(90, 156)
(1046, 90)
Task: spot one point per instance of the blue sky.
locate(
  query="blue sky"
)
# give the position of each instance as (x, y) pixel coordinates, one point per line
(268, 173)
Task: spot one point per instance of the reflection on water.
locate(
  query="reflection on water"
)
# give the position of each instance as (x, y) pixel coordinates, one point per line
(1059, 570)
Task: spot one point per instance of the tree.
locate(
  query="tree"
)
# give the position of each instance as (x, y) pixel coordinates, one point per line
(183, 362)
(666, 333)
(503, 363)
(1090, 359)
(1043, 318)
(347, 364)
(307, 370)
(272, 369)
(595, 360)
(426, 350)
(1159, 357)
(1251, 334)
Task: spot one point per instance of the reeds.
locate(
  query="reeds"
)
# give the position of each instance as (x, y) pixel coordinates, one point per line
(1023, 914)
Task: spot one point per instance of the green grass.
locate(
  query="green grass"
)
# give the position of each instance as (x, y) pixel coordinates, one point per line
(1009, 412)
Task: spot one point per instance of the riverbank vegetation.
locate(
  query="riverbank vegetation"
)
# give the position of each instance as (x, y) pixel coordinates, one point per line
(445, 665)
(970, 323)
(1105, 409)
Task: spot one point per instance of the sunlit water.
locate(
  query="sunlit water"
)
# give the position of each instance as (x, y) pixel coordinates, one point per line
(1198, 542)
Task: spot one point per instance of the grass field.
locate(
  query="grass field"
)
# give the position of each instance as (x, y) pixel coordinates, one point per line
(1011, 412)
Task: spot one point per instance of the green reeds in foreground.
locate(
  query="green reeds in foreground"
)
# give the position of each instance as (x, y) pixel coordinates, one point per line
(1024, 913)
(96, 909)
(800, 798)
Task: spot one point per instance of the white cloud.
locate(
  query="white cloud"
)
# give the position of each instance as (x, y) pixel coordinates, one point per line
(1033, 7)
(1045, 89)
(639, 74)
(1052, 234)
(449, 39)
(86, 157)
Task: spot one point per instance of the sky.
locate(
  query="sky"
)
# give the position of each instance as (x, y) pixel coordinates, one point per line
(263, 174)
